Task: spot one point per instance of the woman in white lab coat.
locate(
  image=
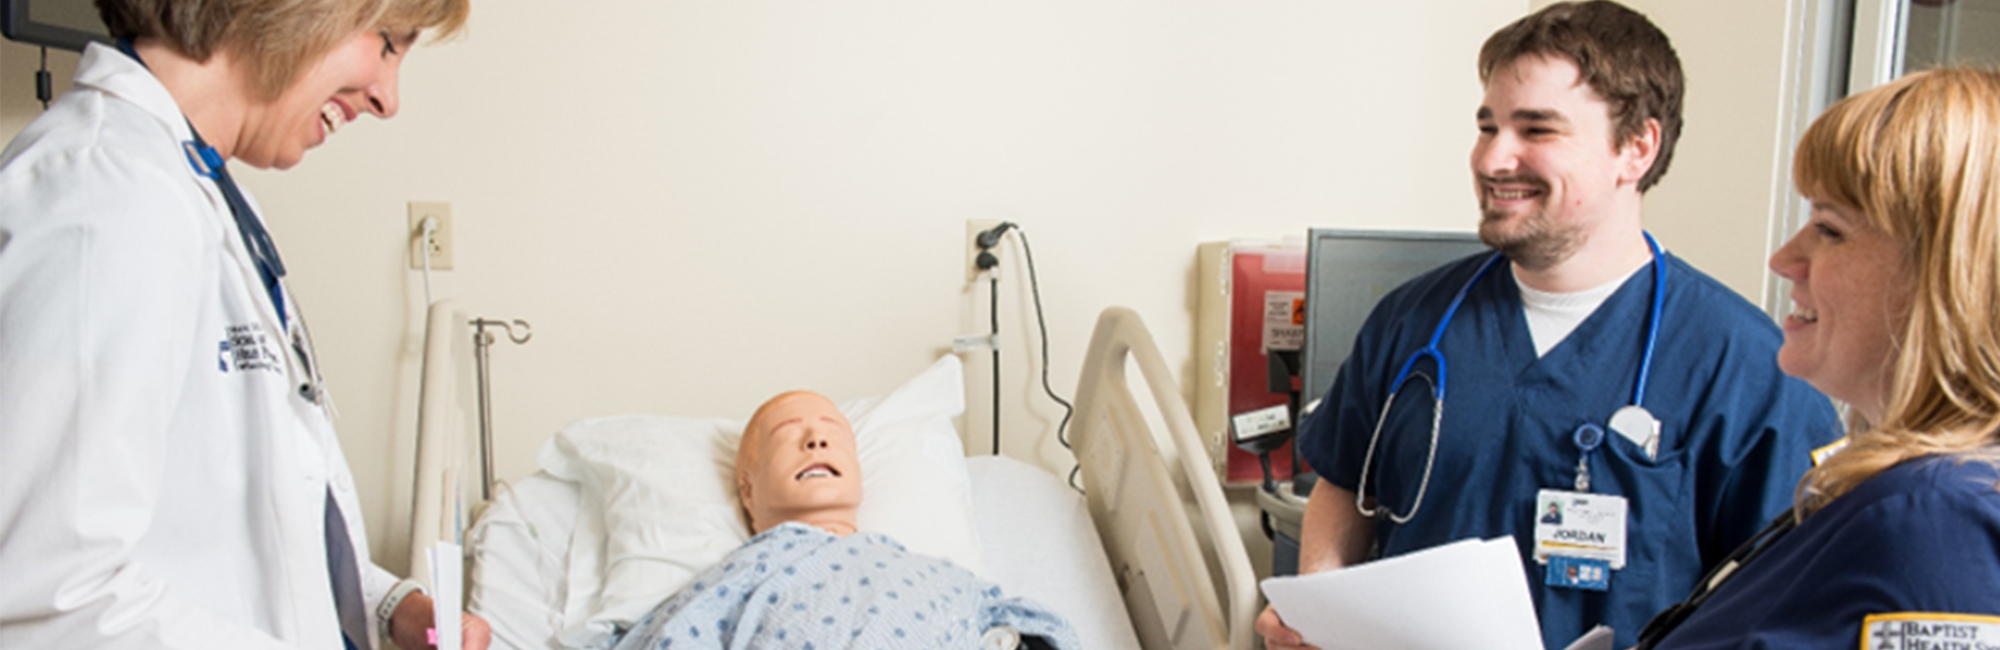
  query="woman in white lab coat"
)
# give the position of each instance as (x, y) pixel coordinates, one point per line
(169, 477)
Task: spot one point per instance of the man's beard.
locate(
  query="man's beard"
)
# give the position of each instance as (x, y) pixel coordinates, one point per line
(1536, 243)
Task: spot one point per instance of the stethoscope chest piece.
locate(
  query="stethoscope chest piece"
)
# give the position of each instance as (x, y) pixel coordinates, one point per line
(1639, 426)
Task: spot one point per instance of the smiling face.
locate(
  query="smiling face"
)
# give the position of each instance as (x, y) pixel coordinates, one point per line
(798, 462)
(1544, 168)
(358, 76)
(1850, 288)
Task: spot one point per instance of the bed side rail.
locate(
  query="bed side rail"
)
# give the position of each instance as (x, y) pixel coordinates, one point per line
(1176, 601)
(437, 510)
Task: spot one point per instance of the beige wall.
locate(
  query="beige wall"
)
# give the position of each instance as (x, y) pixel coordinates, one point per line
(1716, 205)
(17, 82)
(699, 203)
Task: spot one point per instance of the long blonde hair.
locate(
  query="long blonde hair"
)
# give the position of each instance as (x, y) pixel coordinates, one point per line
(1920, 157)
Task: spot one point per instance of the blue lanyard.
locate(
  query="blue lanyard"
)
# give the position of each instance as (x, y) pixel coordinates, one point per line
(208, 163)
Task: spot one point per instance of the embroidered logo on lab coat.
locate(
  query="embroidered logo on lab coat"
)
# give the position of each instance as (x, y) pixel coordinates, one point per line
(1930, 631)
(247, 347)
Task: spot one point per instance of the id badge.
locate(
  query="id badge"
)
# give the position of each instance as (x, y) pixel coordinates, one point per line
(1579, 573)
(1580, 525)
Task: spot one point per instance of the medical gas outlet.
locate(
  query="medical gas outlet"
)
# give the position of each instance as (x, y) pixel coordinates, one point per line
(973, 229)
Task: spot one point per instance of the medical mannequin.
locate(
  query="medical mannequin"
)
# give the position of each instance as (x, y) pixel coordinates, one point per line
(169, 473)
(797, 462)
(1580, 365)
(1896, 542)
(809, 578)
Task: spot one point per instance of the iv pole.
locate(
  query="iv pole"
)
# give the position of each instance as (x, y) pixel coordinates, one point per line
(482, 340)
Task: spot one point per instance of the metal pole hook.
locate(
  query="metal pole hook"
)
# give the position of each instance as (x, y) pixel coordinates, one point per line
(481, 341)
(480, 325)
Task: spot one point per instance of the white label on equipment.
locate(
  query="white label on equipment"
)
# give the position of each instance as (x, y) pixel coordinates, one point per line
(1261, 422)
(1284, 321)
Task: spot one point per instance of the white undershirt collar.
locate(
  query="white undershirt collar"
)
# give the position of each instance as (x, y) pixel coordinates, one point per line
(1552, 316)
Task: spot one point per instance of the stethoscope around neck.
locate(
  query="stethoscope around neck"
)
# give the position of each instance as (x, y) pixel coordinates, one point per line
(263, 253)
(1587, 437)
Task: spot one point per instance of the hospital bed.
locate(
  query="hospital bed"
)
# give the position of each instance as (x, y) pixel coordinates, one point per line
(1150, 557)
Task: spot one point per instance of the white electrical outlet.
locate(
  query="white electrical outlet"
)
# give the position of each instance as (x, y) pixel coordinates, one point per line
(972, 229)
(439, 248)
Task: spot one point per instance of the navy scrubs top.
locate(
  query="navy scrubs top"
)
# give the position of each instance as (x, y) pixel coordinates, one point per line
(1737, 433)
(1908, 559)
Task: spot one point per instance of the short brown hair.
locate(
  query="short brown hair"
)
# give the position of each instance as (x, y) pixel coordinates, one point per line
(276, 39)
(1618, 53)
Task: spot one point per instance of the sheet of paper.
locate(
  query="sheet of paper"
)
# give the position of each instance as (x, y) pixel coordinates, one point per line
(447, 580)
(1468, 594)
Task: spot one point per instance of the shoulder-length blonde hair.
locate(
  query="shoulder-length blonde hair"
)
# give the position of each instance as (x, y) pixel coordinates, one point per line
(1920, 157)
(277, 39)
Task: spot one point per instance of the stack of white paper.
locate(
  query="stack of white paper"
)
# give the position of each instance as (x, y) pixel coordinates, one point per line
(1468, 594)
(447, 578)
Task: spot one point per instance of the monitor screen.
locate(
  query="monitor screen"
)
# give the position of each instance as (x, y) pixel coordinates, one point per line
(1347, 272)
(65, 24)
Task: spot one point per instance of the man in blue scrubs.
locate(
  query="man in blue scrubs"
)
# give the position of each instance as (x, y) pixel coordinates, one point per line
(1589, 371)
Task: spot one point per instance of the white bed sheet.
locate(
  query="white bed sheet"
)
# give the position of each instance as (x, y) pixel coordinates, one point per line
(1035, 532)
(1038, 539)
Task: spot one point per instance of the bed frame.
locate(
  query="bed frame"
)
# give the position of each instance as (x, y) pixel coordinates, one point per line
(440, 495)
(1186, 588)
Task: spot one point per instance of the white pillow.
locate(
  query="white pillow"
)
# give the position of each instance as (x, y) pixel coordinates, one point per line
(658, 501)
(914, 484)
(653, 511)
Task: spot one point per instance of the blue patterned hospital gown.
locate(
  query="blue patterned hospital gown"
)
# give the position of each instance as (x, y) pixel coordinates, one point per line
(796, 586)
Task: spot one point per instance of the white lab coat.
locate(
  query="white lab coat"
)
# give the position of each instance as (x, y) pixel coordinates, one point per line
(162, 481)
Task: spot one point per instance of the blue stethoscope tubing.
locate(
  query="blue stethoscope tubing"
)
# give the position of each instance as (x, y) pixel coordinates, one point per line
(1436, 355)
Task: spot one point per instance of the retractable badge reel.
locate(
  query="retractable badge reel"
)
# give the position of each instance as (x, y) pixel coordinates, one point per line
(1579, 535)
(1587, 439)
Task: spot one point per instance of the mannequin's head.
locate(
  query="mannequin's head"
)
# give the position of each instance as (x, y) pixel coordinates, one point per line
(798, 462)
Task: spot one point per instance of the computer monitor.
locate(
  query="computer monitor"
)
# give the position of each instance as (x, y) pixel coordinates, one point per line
(1347, 272)
(65, 24)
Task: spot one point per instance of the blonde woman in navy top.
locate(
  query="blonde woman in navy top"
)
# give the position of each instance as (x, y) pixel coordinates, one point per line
(1895, 540)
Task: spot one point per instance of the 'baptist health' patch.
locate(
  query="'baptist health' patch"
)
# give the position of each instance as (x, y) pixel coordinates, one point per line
(1930, 631)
